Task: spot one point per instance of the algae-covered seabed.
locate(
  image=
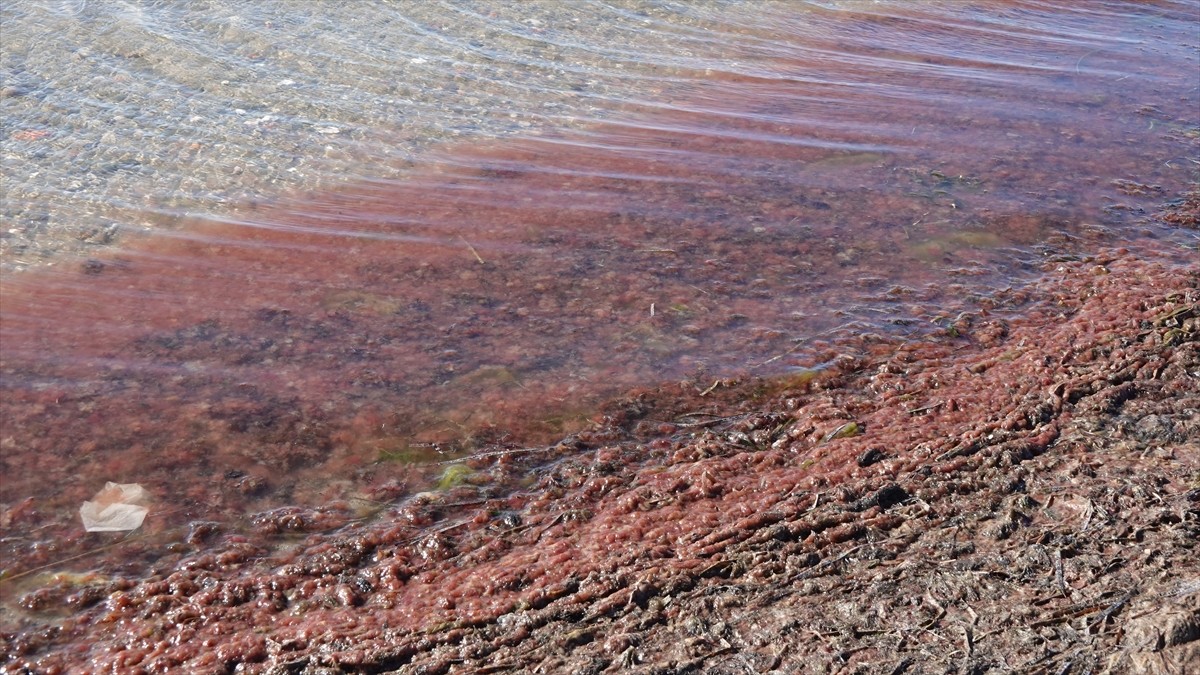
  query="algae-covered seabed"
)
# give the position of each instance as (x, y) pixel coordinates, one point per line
(973, 444)
(1019, 494)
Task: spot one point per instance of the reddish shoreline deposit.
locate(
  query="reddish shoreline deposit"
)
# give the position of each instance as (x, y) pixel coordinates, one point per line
(325, 348)
(777, 489)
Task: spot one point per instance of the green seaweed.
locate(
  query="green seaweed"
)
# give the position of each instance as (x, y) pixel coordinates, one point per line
(405, 455)
(847, 430)
(454, 475)
(800, 377)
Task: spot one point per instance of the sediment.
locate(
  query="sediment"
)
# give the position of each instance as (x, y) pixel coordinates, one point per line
(1021, 492)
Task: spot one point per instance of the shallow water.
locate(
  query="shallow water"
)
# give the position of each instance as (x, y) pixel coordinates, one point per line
(701, 190)
(119, 115)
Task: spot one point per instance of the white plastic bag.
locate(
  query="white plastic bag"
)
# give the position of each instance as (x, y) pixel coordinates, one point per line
(117, 508)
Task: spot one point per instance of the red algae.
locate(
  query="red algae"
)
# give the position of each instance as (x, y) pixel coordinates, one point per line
(618, 524)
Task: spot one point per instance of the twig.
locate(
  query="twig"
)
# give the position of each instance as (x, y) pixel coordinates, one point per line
(941, 612)
(926, 408)
(1065, 615)
(497, 453)
(812, 572)
(497, 667)
(473, 251)
(61, 561)
(1112, 609)
(1059, 575)
(797, 346)
(800, 342)
(440, 530)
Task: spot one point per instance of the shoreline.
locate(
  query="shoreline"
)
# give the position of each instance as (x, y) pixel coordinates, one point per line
(649, 538)
(378, 421)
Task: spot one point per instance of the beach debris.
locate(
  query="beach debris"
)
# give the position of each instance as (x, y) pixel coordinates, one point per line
(119, 507)
(847, 430)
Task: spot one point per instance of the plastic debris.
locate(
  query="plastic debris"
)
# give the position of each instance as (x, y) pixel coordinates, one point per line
(119, 507)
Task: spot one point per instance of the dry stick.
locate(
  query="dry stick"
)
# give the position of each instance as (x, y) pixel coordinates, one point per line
(440, 530)
(473, 251)
(800, 343)
(497, 453)
(497, 667)
(56, 563)
(701, 413)
(545, 528)
(557, 519)
(927, 408)
(1059, 574)
(716, 419)
(473, 502)
(797, 346)
(1112, 609)
(828, 562)
(1066, 615)
(370, 501)
(941, 612)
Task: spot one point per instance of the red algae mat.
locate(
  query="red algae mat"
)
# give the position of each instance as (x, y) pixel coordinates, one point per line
(326, 348)
(1021, 488)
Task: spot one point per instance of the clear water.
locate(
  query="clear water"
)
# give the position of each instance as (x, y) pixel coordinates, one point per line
(120, 115)
(261, 254)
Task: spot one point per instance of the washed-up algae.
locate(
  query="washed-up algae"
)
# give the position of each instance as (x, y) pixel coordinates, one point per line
(1022, 494)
